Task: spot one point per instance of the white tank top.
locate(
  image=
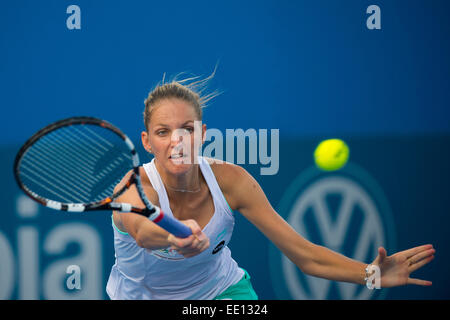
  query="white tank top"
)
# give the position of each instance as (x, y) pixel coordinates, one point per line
(139, 273)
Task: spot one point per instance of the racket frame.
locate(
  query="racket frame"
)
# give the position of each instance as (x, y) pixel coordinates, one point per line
(151, 211)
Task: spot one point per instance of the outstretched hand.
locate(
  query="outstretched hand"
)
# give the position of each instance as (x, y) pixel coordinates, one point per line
(396, 269)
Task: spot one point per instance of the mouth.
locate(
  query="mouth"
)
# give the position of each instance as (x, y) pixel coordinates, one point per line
(178, 156)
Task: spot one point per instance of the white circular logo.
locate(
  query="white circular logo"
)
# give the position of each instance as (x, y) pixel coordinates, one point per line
(339, 213)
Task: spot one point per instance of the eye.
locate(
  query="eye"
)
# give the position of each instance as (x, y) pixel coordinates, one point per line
(189, 129)
(161, 132)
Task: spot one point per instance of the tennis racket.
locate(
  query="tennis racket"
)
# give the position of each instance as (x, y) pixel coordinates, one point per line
(75, 164)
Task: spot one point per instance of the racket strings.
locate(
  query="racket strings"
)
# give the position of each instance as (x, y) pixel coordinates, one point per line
(75, 164)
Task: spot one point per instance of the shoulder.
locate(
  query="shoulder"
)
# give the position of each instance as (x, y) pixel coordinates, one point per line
(226, 173)
(234, 181)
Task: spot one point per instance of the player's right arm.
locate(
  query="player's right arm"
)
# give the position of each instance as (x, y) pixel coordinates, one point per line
(148, 234)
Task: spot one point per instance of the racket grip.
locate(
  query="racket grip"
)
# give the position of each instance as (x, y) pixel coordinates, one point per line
(173, 226)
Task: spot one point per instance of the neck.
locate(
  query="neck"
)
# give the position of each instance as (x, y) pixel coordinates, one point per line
(186, 183)
(183, 190)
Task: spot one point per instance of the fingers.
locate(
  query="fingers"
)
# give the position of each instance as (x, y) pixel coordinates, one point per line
(421, 255)
(413, 251)
(419, 282)
(381, 254)
(180, 242)
(421, 259)
(192, 245)
(195, 248)
(193, 225)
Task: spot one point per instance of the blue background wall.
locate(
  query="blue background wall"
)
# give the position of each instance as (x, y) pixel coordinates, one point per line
(309, 68)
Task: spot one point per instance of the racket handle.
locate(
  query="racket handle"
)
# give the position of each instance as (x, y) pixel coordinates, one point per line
(173, 226)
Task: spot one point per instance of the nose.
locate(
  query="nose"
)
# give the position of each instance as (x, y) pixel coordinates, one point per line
(177, 138)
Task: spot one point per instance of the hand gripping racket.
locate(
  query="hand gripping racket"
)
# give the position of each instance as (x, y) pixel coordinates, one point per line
(74, 165)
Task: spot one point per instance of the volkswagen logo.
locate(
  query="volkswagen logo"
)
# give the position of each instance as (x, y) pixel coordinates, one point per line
(345, 211)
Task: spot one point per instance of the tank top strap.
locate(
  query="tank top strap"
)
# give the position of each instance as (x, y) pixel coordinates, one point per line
(213, 185)
(158, 185)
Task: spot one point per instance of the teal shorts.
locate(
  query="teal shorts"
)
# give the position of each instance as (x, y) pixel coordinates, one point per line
(242, 290)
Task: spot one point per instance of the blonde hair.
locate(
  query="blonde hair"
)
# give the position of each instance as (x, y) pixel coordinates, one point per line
(190, 90)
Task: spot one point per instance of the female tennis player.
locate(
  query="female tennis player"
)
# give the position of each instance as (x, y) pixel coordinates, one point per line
(202, 193)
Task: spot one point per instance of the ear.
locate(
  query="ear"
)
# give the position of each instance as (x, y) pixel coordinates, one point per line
(145, 143)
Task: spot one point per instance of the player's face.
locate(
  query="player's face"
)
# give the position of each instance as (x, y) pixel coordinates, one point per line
(171, 135)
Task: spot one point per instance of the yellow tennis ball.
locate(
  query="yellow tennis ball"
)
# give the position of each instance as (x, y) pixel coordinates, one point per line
(331, 154)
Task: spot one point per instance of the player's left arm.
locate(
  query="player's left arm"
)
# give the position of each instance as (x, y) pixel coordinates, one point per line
(246, 196)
